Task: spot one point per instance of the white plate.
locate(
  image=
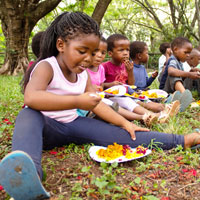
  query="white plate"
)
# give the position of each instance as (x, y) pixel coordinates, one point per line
(158, 92)
(94, 156)
(122, 90)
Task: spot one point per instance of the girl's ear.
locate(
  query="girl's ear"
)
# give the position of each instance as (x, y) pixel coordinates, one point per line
(110, 53)
(60, 45)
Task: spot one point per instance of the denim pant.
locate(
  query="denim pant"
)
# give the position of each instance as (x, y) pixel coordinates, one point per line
(35, 132)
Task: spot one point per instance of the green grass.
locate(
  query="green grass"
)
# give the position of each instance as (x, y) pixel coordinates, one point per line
(11, 99)
(71, 174)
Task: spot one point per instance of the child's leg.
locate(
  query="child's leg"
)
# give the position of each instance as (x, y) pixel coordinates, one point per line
(130, 105)
(129, 115)
(189, 84)
(153, 106)
(27, 135)
(86, 130)
(179, 86)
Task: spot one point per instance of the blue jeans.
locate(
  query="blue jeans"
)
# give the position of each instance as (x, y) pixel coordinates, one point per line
(35, 132)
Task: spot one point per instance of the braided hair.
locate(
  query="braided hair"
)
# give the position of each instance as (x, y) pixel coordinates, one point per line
(66, 26)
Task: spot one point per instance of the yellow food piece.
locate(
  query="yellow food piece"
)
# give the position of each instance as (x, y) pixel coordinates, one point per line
(130, 155)
(112, 91)
(152, 95)
(112, 152)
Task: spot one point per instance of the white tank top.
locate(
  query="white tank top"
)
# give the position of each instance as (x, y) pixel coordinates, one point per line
(61, 86)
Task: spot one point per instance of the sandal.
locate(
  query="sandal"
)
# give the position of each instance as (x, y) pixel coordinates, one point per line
(149, 119)
(173, 108)
(170, 110)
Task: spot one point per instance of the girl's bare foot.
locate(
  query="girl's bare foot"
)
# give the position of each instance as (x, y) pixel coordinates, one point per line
(192, 139)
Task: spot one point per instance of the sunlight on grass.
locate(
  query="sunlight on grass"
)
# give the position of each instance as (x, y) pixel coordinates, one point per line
(11, 98)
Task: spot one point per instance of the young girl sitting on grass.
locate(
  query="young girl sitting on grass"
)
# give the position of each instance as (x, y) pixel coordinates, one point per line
(56, 85)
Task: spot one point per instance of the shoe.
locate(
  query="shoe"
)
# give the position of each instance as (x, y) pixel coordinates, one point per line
(185, 100)
(176, 96)
(115, 106)
(173, 97)
(149, 119)
(19, 177)
(170, 110)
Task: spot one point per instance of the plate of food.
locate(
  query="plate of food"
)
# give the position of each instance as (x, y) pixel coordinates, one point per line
(155, 93)
(117, 90)
(117, 153)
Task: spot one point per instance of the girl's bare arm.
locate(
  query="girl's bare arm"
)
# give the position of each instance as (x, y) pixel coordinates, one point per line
(38, 98)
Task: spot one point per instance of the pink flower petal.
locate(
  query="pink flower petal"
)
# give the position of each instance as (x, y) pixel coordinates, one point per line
(53, 152)
(1, 187)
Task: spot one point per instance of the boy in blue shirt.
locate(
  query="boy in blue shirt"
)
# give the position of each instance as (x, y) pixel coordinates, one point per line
(174, 75)
(139, 55)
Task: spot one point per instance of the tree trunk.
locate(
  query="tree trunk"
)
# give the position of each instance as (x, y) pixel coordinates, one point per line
(100, 10)
(18, 20)
(17, 34)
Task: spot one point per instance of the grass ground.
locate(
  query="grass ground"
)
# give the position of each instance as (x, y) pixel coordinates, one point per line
(71, 174)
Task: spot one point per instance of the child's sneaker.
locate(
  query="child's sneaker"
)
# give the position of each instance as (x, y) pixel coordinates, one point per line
(19, 177)
(185, 100)
(173, 97)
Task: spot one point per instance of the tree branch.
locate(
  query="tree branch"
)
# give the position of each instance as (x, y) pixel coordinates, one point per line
(194, 19)
(140, 24)
(172, 10)
(100, 9)
(198, 15)
(150, 10)
(42, 9)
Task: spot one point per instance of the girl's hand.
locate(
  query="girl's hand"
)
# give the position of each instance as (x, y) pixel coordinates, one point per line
(98, 88)
(131, 128)
(88, 101)
(116, 83)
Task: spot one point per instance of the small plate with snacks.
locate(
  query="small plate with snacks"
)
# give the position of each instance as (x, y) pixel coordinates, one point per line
(117, 153)
(117, 90)
(155, 94)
